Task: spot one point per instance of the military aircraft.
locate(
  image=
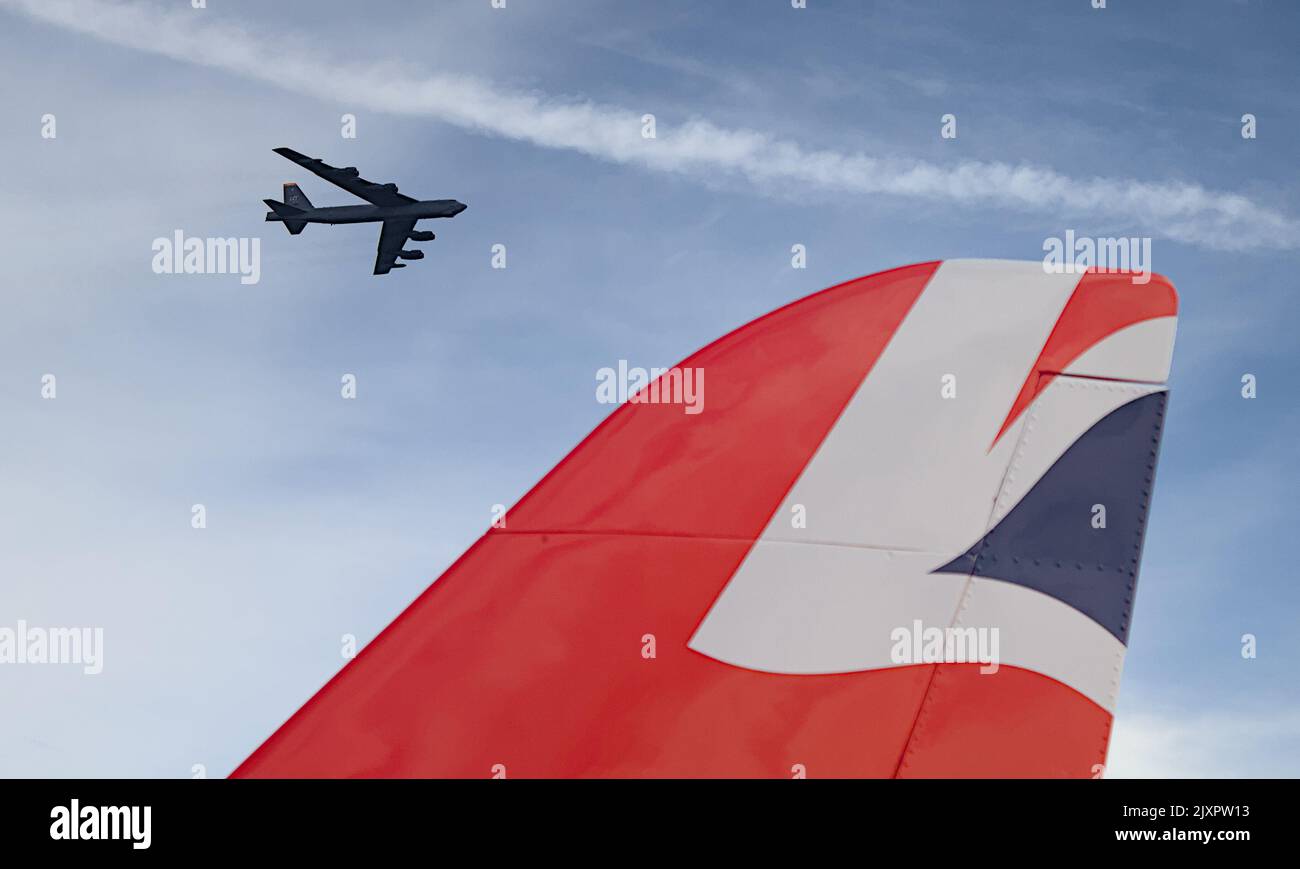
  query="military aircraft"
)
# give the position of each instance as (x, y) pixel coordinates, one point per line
(397, 211)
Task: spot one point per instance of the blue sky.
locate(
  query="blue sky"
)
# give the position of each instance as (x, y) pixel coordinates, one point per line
(776, 126)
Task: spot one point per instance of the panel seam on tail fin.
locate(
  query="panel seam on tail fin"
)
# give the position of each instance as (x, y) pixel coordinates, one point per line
(1153, 458)
(812, 457)
(1129, 561)
(918, 721)
(928, 697)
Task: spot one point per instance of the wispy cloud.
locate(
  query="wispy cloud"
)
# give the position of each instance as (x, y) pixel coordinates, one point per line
(1242, 744)
(1181, 211)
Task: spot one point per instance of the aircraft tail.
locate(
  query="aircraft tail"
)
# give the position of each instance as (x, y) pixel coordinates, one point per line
(287, 214)
(901, 538)
(294, 196)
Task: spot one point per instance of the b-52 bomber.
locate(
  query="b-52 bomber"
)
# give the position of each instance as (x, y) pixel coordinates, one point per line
(397, 211)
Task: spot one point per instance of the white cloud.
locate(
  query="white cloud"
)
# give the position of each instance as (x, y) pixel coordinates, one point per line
(1180, 211)
(1244, 744)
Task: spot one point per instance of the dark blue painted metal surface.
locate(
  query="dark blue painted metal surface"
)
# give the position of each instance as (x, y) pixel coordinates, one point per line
(1048, 541)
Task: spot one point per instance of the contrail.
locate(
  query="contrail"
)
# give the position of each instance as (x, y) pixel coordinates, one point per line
(1184, 212)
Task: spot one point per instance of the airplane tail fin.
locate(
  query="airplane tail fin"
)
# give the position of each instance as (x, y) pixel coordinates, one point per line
(829, 571)
(294, 196)
(287, 214)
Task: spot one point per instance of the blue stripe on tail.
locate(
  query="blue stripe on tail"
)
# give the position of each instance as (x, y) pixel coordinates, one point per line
(1047, 542)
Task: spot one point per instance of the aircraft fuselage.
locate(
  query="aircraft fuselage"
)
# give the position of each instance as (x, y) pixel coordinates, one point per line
(429, 208)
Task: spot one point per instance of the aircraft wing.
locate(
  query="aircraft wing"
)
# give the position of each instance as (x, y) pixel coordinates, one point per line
(892, 529)
(348, 179)
(392, 237)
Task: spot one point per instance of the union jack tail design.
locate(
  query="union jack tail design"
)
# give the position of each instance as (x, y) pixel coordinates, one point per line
(935, 455)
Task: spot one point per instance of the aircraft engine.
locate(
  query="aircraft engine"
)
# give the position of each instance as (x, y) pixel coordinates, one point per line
(412, 254)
